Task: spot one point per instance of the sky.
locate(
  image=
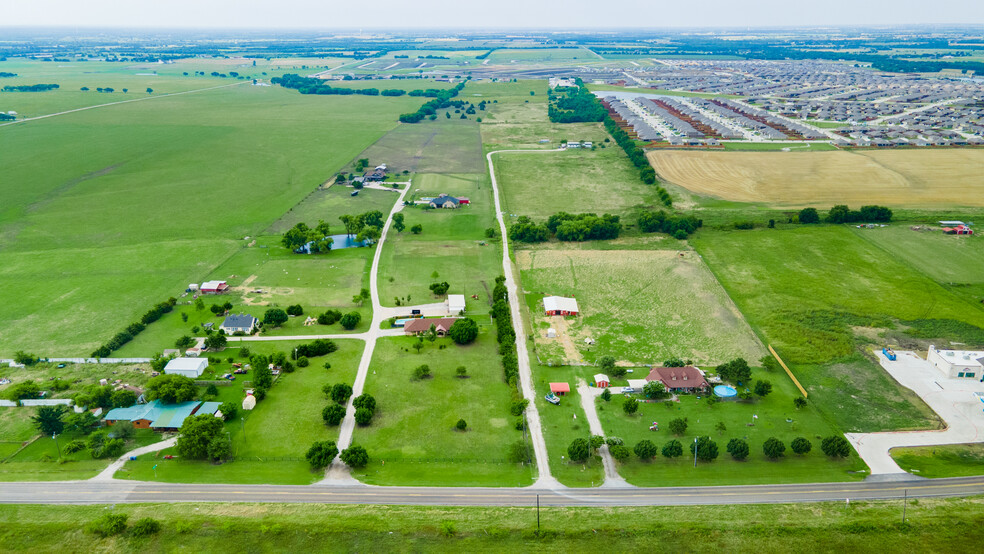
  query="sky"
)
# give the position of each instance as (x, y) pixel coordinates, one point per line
(540, 14)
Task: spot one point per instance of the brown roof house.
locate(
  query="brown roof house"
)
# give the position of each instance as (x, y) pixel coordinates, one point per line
(679, 379)
(421, 326)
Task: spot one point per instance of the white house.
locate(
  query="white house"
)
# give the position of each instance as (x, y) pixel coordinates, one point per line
(957, 364)
(456, 303)
(189, 367)
(239, 323)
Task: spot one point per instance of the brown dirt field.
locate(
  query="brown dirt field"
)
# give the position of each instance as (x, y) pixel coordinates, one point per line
(914, 178)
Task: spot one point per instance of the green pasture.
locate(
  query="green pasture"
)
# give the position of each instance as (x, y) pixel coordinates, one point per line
(639, 306)
(947, 259)
(575, 181)
(412, 439)
(331, 203)
(946, 460)
(932, 525)
(440, 146)
(815, 294)
(777, 417)
(563, 423)
(43, 459)
(269, 446)
(198, 172)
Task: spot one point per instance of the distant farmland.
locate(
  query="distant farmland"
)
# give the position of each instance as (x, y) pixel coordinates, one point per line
(916, 178)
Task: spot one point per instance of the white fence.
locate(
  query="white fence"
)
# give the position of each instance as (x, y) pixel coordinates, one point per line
(37, 402)
(88, 360)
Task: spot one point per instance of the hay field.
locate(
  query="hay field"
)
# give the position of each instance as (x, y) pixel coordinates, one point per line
(916, 178)
(639, 306)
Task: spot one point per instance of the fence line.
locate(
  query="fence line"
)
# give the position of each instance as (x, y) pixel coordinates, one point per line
(790, 373)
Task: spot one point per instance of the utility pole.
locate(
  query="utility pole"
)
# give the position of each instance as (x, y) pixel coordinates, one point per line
(242, 425)
(905, 501)
(538, 514)
(54, 436)
(695, 452)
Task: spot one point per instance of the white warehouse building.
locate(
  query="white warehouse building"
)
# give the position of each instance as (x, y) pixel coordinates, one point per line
(957, 364)
(189, 367)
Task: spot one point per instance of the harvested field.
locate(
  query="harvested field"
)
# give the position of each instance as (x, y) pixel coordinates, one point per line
(638, 306)
(922, 178)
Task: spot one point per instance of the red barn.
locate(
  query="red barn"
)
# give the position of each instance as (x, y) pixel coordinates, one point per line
(214, 287)
(560, 305)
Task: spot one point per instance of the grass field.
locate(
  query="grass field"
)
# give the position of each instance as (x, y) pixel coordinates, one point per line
(577, 181)
(933, 178)
(269, 445)
(815, 294)
(562, 424)
(198, 172)
(640, 306)
(331, 203)
(440, 146)
(412, 439)
(949, 460)
(773, 411)
(932, 525)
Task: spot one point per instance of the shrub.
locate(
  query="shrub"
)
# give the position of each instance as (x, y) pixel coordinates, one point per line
(801, 445)
(579, 450)
(678, 426)
(366, 401)
(462, 371)
(763, 388)
(774, 448)
(302, 362)
(333, 414)
(738, 449)
(229, 410)
(329, 317)
(145, 527)
(350, 320)
(672, 449)
(363, 416)
(355, 456)
(295, 310)
(421, 372)
(620, 452)
(799, 402)
(836, 446)
(321, 454)
(645, 450)
(108, 525)
(74, 446)
(809, 215)
(630, 406)
(461, 425)
(341, 392)
(606, 395)
(705, 448)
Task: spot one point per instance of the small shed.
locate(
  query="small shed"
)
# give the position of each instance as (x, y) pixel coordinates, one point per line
(560, 389)
(601, 380)
(456, 303)
(551, 333)
(249, 402)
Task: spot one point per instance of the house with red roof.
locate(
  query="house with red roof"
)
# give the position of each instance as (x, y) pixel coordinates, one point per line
(679, 379)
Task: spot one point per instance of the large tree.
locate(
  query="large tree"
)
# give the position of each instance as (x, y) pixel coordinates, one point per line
(275, 317)
(801, 445)
(171, 389)
(463, 331)
(738, 449)
(672, 449)
(646, 450)
(49, 419)
(197, 435)
(774, 448)
(836, 446)
(678, 426)
(355, 456)
(579, 450)
(321, 454)
(705, 448)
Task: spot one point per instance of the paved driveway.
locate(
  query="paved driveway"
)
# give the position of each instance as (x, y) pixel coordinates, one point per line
(954, 400)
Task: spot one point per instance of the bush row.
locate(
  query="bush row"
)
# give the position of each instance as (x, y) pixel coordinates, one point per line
(134, 329)
(442, 99)
(638, 158)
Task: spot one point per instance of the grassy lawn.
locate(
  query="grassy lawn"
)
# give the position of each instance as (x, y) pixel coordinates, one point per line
(933, 525)
(40, 460)
(412, 439)
(269, 445)
(773, 411)
(639, 306)
(815, 294)
(562, 424)
(925, 250)
(949, 460)
(330, 204)
(242, 165)
(576, 181)
(446, 145)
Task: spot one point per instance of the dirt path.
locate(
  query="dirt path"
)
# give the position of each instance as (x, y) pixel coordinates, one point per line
(107, 474)
(612, 478)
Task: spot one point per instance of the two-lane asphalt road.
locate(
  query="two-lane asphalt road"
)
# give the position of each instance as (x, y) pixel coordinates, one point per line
(116, 492)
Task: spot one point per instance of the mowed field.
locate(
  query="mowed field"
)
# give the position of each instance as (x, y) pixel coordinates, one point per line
(818, 293)
(110, 210)
(917, 178)
(639, 306)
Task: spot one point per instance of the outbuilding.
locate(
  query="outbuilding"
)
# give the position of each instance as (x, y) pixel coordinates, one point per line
(560, 389)
(601, 380)
(456, 304)
(560, 305)
(189, 367)
(214, 287)
(957, 364)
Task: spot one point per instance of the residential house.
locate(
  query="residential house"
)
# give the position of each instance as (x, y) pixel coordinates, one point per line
(444, 201)
(421, 326)
(239, 323)
(679, 379)
(159, 416)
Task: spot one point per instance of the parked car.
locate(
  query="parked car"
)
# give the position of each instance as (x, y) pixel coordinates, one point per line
(628, 390)
(239, 371)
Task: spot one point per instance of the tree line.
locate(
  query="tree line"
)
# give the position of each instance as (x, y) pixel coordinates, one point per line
(442, 99)
(638, 158)
(842, 214)
(574, 105)
(680, 227)
(30, 88)
(134, 329)
(567, 227)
